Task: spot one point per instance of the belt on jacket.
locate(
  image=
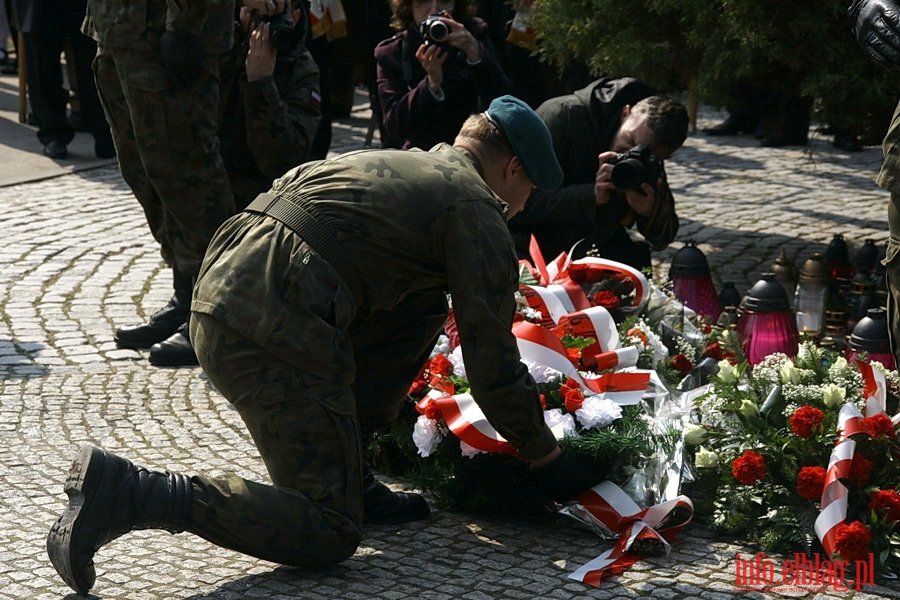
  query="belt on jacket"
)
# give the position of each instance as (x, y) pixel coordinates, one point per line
(315, 231)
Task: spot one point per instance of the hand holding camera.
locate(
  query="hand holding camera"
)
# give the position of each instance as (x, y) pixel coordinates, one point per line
(441, 30)
(634, 173)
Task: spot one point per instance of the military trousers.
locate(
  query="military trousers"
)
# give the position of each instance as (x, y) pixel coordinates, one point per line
(307, 433)
(168, 149)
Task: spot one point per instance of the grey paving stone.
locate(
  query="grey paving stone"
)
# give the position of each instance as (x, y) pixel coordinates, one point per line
(78, 262)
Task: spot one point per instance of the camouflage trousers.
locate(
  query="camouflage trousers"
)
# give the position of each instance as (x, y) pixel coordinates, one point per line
(168, 150)
(307, 433)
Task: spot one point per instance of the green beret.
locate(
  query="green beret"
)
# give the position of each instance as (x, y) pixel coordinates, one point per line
(529, 138)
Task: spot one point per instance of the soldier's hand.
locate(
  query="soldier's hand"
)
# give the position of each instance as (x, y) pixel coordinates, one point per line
(569, 473)
(182, 57)
(876, 24)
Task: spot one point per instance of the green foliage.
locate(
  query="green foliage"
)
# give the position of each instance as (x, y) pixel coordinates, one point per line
(720, 48)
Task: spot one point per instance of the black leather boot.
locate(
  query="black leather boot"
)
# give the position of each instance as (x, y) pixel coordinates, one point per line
(108, 497)
(381, 506)
(163, 322)
(175, 351)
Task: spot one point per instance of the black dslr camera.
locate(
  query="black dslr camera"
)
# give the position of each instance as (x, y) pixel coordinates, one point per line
(433, 30)
(631, 169)
(284, 36)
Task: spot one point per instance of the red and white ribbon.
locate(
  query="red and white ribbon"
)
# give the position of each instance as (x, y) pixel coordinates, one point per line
(619, 514)
(833, 504)
(539, 345)
(467, 422)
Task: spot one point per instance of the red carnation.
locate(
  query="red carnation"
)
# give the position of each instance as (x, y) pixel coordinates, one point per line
(681, 364)
(805, 419)
(749, 467)
(606, 299)
(810, 482)
(714, 351)
(887, 501)
(543, 400)
(879, 425)
(433, 411)
(440, 365)
(852, 541)
(860, 470)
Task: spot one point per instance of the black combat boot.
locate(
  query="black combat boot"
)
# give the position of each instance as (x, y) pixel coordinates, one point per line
(381, 506)
(175, 351)
(110, 496)
(163, 322)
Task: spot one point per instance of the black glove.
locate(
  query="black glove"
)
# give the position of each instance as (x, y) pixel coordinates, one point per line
(876, 24)
(569, 473)
(182, 58)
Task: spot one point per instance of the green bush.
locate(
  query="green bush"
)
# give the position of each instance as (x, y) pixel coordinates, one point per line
(717, 49)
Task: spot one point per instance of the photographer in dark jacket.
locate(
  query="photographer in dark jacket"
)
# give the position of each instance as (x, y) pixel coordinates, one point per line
(427, 90)
(269, 99)
(589, 127)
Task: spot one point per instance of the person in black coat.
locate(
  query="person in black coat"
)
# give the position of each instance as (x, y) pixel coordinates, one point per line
(589, 127)
(427, 90)
(46, 25)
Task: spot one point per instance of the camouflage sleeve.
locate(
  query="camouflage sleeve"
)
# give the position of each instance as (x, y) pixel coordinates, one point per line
(660, 228)
(281, 123)
(482, 277)
(189, 16)
(889, 174)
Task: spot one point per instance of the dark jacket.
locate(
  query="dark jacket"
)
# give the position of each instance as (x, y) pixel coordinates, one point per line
(583, 125)
(266, 126)
(411, 112)
(49, 17)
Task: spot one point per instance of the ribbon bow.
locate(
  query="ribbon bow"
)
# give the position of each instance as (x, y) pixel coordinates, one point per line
(609, 511)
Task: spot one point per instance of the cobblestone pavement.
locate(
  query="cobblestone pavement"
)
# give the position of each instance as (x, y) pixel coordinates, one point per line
(77, 261)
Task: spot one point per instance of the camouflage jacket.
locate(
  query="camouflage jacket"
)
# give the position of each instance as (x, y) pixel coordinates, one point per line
(889, 176)
(411, 222)
(138, 24)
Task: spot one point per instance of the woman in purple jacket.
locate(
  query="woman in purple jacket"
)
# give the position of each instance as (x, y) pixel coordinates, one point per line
(427, 87)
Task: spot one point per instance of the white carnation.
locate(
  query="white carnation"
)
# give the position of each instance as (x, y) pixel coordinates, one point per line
(560, 424)
(469, 451)
(598, 411)
(426, 435)
(456, 359)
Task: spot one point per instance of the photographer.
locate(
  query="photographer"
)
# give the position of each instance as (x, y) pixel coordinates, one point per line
(427, 88)
(590, 128)
(269, 100)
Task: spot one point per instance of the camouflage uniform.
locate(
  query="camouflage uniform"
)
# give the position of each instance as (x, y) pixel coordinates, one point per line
(266, 126)
(311, 351)
(165, 137)
(889, 179)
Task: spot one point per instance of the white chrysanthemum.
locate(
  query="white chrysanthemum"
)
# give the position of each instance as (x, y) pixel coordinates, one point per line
(598, 411)
(469, 451)
(426, 435)
(561, 424)
(442, 346)
(456, 359)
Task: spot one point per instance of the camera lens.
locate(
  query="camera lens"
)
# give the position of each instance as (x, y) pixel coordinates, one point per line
(438, 31)
(627, 174)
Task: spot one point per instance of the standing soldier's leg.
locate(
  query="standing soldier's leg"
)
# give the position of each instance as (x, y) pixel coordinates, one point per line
(175, 131)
